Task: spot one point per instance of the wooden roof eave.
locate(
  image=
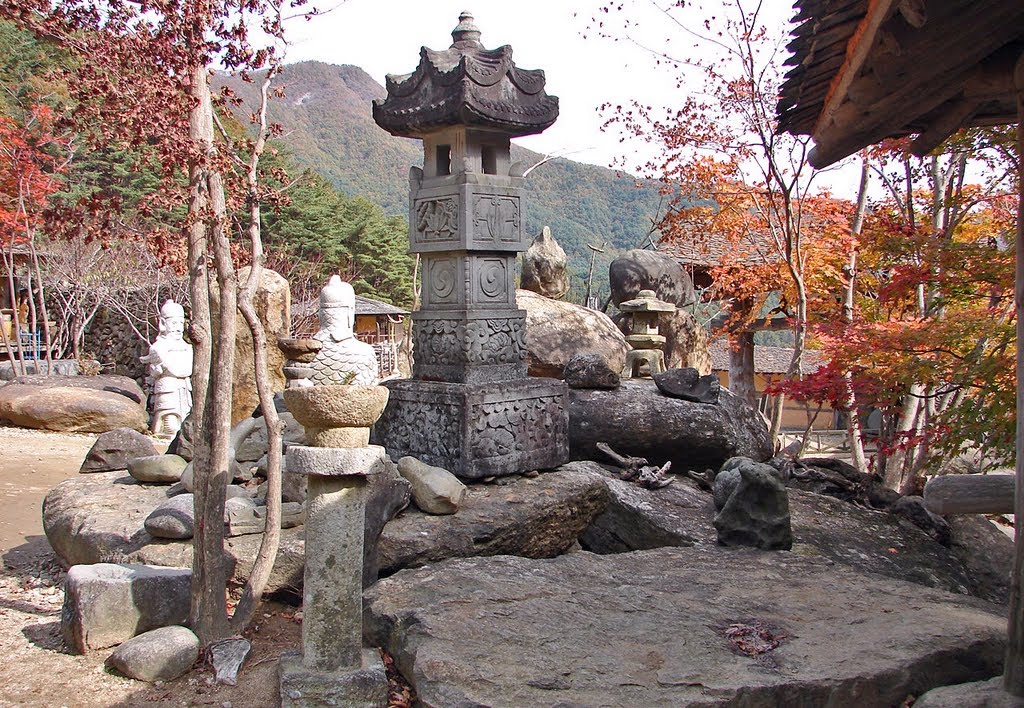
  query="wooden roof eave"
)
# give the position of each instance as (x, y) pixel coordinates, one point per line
(965, 66)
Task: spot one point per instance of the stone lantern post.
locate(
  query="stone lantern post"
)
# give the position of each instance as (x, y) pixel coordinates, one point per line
(470, 407)
(647, 343)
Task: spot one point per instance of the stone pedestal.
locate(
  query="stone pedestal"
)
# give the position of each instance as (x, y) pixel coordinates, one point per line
(333, 668)
(477, 431)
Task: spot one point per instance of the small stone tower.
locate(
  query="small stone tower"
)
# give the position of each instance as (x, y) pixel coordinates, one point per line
(470, 407)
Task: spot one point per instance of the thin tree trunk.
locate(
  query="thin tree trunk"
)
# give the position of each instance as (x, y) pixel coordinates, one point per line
(209, 609)
(47, 340)
(264, 562)
(894, 465)
(853, 430)
(741, 367)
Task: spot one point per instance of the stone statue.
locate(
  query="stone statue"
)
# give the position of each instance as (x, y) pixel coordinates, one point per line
(343, 359)
(170, 371)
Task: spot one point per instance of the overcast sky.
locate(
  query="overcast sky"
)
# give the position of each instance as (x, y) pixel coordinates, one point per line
(583, 70)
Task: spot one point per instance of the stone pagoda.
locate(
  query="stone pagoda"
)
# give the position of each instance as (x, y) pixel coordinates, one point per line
(470, 407)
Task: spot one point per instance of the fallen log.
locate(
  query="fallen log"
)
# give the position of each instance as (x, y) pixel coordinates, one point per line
(970, 494)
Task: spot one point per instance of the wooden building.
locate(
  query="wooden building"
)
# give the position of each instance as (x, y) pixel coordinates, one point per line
(866, 70)
(381, 326)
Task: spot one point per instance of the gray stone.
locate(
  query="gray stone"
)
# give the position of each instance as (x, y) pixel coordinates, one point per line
(227, 657)
(757, 512)
(106, 604)
(364, 686)
(986, 554)
(544, 267)
(913, 510)
(538, 517)
(728, 478)
(434, 490)
(637, 420)
(181, 445)
(387, 494)
(334, 461)
(96, 518)
(672, 627)
(241, 519)
(477, 431)
(112, 383)
(157, 469)
(556, 330)
(976, 694)
(689, 385)
(864, 539)
(638, 270)
(175, 518)
(158, 655)
(253, 446)
(69, 409)
(114, 448)
(590, 370)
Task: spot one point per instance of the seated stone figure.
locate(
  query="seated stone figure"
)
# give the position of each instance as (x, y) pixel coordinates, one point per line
(343, 358)
(170, 372)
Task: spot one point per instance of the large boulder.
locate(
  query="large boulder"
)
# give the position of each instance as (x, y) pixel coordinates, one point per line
(537, 517)
(675, 627)
(637, 419)
(107, 382)
(93, 518)
(638, 270)
(272, 302)
(866, 540)
(115, 448)
(106, 604)
(556, 330)
(69, 409)
(544, 267)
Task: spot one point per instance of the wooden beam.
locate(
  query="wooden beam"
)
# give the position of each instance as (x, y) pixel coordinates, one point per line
(970, 494)
(957, 115)
(934, 65)
(1013, 666)
(858, 48)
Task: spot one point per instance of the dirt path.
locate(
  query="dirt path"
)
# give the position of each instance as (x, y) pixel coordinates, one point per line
(32, 463)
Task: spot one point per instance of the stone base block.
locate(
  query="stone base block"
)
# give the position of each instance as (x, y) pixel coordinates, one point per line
(364, 686)
(477, 430)
(338, 437)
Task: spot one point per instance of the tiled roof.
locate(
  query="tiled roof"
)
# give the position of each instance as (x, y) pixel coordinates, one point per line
(767, 360)
(369, 306)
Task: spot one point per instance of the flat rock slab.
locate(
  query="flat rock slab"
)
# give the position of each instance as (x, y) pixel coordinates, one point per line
(864, 539)
(69, 409)
(652, 628)
(97, 518)
(538, 517)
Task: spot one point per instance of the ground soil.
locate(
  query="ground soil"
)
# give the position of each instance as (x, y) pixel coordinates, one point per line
(36, 669)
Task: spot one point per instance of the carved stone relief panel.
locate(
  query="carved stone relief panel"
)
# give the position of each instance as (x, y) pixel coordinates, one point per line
(517, 426)
(496, 219)
(491, 280)
(443, 341)
(443, 281)
(436, 220)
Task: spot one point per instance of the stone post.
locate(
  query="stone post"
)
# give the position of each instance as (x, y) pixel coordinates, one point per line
(334, 668)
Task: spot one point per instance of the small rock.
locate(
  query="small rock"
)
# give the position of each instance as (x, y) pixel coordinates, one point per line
(434, 490)
(227, 657)
(912, 509)
(159, 655)
(757, 512)
(114, 448)
(175, 518)
(689, 385)
(157, 469)
(590, 370)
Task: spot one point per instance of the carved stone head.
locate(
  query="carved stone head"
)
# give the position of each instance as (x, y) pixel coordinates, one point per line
(172, 320)
(337, 309)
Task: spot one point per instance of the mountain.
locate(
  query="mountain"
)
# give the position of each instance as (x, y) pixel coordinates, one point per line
(327, 126)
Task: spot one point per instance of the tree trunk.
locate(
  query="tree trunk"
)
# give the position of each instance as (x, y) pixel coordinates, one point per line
(853, 431)
(209, 581)
(741, 366)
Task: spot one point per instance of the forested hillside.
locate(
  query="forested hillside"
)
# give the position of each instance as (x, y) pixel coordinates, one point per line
(328, 128)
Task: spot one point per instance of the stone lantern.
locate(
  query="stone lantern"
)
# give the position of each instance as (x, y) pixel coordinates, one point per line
(644, 339)
(470, 407)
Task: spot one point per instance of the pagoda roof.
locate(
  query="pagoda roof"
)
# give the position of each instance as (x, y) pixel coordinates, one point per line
(467, 85)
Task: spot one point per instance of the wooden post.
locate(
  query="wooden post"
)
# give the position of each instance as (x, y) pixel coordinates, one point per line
(741, 366)
(1013, 668)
